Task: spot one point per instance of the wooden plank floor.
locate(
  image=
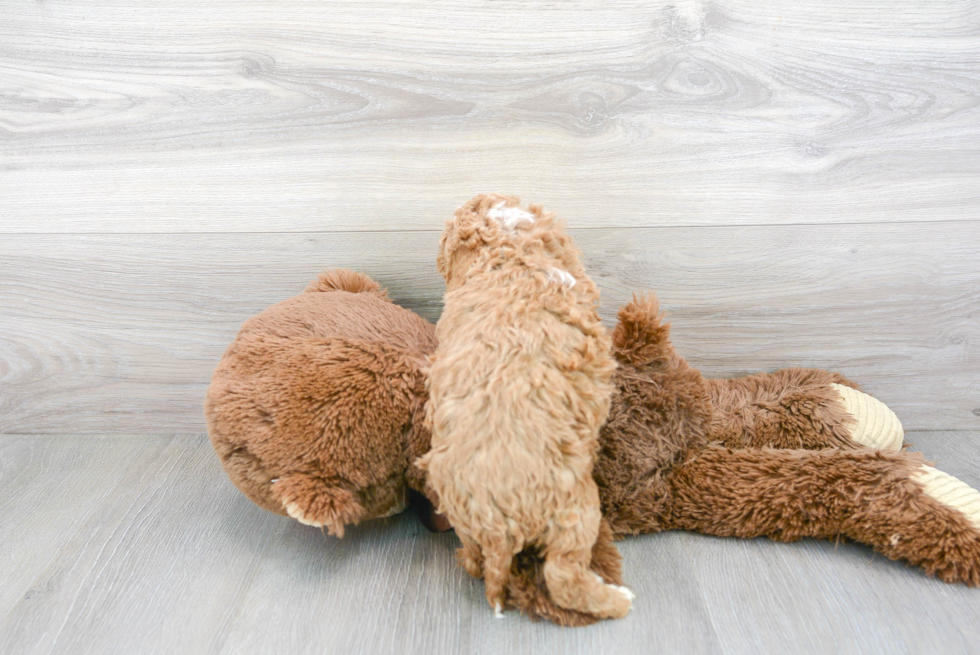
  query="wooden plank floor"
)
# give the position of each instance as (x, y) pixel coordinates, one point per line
(139, 544)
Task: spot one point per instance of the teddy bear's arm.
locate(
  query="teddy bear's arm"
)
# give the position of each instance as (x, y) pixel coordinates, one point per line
(799, 408)
(893, 502)
(791, 408)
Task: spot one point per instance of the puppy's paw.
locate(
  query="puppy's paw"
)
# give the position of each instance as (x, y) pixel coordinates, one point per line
(471, 559)
(625, 591)
(619, 603)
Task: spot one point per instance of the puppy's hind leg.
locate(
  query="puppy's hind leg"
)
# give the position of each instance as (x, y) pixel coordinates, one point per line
(470, 557)
(573, 585)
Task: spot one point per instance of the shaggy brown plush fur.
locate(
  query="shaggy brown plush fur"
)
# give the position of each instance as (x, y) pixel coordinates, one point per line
(518, 389)
(778, 409)
(315, 409)
(665, 413)
(766, 455)
(860, 494)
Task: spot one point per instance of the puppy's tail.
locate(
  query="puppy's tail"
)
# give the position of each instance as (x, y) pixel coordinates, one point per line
(344, 279)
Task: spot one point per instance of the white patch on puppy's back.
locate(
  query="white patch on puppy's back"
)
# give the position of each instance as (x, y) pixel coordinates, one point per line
(558, 275)
(510, 217)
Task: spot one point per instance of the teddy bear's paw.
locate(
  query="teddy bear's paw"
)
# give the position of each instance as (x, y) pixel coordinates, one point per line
(295, 511)
(950, 491)
(312, 501)
(875, 426)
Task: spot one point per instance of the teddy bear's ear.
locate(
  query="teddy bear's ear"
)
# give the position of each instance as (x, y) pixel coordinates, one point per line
(640, 337)
(344, 279)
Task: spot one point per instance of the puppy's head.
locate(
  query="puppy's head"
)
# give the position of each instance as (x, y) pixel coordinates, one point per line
(486, 221)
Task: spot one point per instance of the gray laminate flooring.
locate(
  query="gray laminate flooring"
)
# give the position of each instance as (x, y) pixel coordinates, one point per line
(139, 544)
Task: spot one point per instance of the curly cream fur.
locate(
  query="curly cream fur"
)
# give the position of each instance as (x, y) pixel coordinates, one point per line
(519, 387)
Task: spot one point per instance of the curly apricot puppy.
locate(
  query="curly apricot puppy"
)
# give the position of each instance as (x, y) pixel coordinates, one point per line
(519, 387)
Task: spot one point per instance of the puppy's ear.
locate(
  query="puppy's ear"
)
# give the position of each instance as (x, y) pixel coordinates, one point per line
(466, 224)
(468, 227)
(447, 246)
(640, 337)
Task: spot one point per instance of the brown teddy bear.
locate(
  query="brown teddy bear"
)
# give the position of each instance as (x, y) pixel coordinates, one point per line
(316, 412)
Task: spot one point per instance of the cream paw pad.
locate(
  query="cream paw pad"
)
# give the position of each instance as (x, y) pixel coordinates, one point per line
(950, 491)
(875, 426)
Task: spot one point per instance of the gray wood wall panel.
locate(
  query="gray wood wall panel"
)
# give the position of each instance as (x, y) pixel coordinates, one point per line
(158, 553)
(121, 332)
(169, 169)
(232, 116)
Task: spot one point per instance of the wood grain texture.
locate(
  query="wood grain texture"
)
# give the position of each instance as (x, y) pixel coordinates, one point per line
(121, 332)
(37, 523)
(207, 116)
(147, 552)
(156, 552)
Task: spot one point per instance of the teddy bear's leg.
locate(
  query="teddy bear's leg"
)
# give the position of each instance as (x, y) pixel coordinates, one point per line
(341, 441)
(890, 501)
(950, 491)
(331, 501)
(800, 408)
